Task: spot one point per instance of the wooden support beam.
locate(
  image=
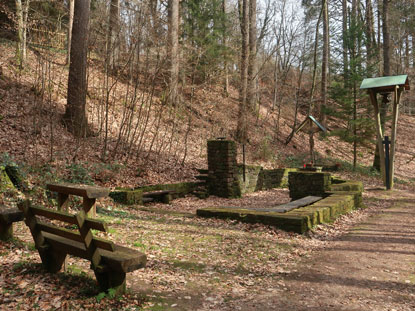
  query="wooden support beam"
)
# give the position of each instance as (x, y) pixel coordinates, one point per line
(63, 200)
(395, 114)
(379, 133)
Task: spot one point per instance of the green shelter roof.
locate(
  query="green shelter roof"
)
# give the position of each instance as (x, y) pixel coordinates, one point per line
(385, 84)
(312, 120)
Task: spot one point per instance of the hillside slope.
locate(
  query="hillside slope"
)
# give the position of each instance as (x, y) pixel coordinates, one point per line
(173, 141)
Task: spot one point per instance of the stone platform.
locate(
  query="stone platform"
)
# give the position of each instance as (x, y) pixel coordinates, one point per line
(339, 197)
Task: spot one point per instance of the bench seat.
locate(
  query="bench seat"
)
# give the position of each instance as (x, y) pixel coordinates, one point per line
(122, 259)
(7, 217)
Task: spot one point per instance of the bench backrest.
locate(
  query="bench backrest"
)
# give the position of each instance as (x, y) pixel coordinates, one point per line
(51, 230)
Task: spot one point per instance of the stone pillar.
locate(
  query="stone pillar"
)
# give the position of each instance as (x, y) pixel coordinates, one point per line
(302, 184)
(222, 168)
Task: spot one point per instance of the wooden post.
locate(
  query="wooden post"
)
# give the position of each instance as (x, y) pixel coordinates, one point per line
(379, 135)
(89, 207)
(63, 200)
(395, 114)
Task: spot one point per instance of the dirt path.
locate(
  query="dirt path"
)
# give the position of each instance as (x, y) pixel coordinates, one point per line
(370, 268)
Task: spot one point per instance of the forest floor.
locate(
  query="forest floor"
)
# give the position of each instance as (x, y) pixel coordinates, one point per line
(362, 261)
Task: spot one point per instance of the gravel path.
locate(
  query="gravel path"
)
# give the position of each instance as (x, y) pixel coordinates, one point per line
(369, 268)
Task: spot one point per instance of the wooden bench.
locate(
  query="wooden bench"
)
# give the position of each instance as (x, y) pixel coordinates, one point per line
(88, 193)
(7, 217)
(53, 241)
(164, 196)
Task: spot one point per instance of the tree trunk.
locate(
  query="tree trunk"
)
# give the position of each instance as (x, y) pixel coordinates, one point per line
(241, 131)
(225, 61)
(113, 34)
(370, 35)
(71, 8)
(22, 14)
(386, 72)
(252, 66)
(173, 50)
(386, 38)
(344, 32)
(325, 64)
(75, 115)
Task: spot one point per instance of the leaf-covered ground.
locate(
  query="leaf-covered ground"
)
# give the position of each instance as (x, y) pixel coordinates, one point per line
(198, 264)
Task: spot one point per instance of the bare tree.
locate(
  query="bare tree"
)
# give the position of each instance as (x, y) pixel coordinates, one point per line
(113, 34)
(252, 61)
(22, 10)
(75, 115)
(325, 61)
(71, 7)
(241, 131)
(173, 50)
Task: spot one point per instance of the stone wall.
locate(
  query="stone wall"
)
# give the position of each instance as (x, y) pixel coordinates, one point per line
(304, 183)
(222, 179)
(257, 178)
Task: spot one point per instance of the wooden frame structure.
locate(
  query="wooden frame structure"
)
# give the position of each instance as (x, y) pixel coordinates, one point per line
(386, 85)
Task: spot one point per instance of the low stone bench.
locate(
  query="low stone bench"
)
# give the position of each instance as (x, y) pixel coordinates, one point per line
(54, 241)
(164, 196)
(7, 217)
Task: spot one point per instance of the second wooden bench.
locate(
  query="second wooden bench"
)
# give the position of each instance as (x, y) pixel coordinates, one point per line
(53, 241)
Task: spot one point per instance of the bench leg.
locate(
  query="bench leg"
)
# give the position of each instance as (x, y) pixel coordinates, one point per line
(51, 260)
(6, 231)
(111, 280)
(166, 199)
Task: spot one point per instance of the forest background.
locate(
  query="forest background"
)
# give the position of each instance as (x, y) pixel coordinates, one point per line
(128, 92)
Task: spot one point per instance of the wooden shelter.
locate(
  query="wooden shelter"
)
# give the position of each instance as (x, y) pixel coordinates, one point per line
(310, 125)
(384, 86)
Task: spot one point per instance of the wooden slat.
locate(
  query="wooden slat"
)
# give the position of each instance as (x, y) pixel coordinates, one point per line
(96, 224)
(10, 215)
(124, 259)
(65, 245)
(71, 235)
(53, 214)
(65, 233)
(90, 192)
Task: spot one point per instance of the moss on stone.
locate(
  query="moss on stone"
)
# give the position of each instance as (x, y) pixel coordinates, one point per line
(6, 184)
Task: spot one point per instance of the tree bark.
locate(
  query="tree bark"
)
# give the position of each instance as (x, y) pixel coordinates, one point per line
(325, 65)
(225, 61)
(21, 13)
(344, 31)
(75, 115)
(113, 34)
(386, 38)
(71, 8)
(386, 72)
(173, 50)
(241, 131)
(252, 64)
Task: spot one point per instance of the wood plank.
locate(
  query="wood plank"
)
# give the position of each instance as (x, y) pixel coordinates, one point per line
(90, 192)
(379, 134)
(53, 214)
(283, 208)
(10, 215)
(395, 114)
(66, 246)
(124, 259)
(75, 236)
(96, 224)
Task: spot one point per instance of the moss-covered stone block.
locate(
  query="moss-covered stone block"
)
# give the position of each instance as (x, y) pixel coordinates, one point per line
(129, 197)
(6, 184)
(305, 183)
(16, 177)
(294, 222)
